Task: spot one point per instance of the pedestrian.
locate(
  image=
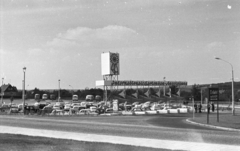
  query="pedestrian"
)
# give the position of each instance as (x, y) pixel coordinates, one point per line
(208, 108)
(200, 108)
(125, 106)
(195, 107)
(213, 107)
(11, 99)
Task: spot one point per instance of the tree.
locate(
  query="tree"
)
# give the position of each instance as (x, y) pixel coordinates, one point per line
(196, 94)
(185, 95)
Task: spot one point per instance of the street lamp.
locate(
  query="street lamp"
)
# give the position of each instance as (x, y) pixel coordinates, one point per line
(164, 86)
(233, 108)
(2, 91)
(23, 93)
(59, 89)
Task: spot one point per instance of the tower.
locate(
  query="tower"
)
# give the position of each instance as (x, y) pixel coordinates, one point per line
(110, 66)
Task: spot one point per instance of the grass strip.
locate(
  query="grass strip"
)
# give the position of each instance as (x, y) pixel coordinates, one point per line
(29, 143)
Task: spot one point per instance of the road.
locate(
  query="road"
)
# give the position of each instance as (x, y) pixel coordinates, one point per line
(161, 127)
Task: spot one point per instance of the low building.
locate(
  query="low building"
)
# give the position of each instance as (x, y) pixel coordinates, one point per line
(8, 90)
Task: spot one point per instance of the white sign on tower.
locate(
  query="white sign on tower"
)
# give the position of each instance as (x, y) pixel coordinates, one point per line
(110, 63)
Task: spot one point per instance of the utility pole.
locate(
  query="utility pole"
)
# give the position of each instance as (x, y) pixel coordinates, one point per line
(2, 91)
(23, 93)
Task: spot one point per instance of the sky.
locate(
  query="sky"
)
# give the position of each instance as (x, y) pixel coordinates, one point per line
(176, 39)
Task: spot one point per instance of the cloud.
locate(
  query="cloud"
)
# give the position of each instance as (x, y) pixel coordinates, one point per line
(3, 52)
(215, 46)
(111, 36)
(35, 51)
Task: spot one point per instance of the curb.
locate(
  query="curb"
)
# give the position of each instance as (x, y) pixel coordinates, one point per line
(212, 126)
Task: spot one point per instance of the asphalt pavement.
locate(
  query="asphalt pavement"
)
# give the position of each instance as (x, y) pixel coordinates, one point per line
(157, 127)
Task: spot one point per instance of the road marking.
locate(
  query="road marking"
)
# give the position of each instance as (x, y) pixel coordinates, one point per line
(143, 142)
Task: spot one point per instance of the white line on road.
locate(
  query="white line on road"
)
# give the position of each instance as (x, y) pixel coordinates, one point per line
(144, 142)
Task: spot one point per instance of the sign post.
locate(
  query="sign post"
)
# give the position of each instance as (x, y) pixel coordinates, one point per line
(208, 110)
(214, 97)
(193, 109)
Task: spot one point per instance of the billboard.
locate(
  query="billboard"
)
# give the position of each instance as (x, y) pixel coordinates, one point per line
(213, 94)
(147, 83)
(139, 83)
(110, 63)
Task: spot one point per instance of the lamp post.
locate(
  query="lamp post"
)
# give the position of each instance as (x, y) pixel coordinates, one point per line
(164, 86)
(233, 108)
(201, 96)
(193, 109)
(23, 93)
(2, 91)
(58, 89)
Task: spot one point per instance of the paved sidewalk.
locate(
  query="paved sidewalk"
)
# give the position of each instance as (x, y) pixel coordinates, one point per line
(154, 143)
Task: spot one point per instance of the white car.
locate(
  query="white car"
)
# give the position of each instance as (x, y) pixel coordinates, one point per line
(12, 105)
(75, 97)
(45, 97)
(75, 104)
(83, 103)
(93, 108)
(57, 107)
(21, 105)
(109, 110)
(67, 107)
(61, 104)
(85, 111)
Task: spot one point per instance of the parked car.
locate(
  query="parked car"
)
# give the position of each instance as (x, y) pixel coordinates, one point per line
(93, 108)
(12, 105)
(52, 97)
(135, 103)
(42, 105)
(60, 103)
(5, 105)
(44, 96)
(98, 98)
(14, 109)
(57, 107)
(37, 97)
(47, 110)
(67, 107)
(124, 105)
(20, 106)
(85, 111)
(89, 98)
(89, 104)
(137, 107)
(146, 105)
(155, 107)
(75, 98)
(109, 110)
(30, 109)
(75, 109)
(75, 104)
